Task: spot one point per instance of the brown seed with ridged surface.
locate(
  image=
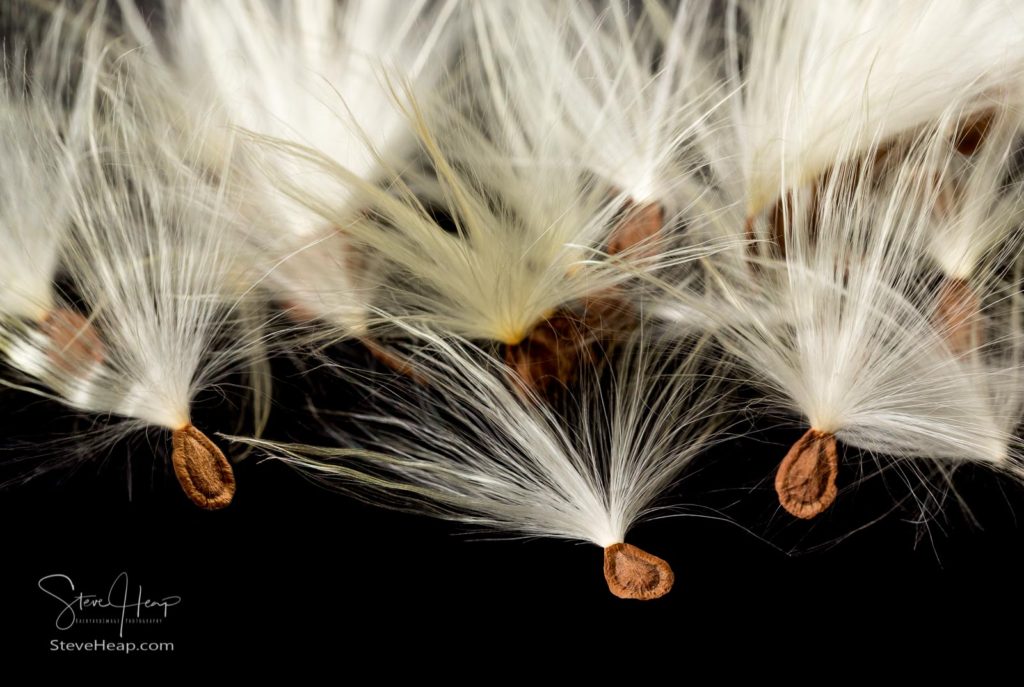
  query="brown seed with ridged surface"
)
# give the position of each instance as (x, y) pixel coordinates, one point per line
(632, 573)
(806, 479)
(204, 473)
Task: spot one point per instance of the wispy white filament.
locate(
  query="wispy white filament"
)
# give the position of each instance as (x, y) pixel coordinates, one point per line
(39, 141)
(619, 88)
(308, 73)
(471, 449)
(812, 72)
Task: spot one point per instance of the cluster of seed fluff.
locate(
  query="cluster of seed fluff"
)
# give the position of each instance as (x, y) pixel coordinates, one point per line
(566, 231)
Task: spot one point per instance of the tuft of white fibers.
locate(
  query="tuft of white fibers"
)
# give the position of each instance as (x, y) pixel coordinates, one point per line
(621, 87)
(152, 260)
(812, 72)
(469, 448)
(977, 219)
(38, 140)
(529, 238)
(840, 330)
(309, 73)
(979, 204)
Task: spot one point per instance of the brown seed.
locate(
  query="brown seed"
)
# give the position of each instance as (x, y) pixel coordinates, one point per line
(958, 316)
(750, 234)
(806, 479)
(74, 342)
(204, 473)
(640, 223)
(608, 312)
(632, 573)
(550, 354)
(297, 312)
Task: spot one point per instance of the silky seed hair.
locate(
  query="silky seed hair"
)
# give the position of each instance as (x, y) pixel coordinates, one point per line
(309, 73)
(151, 258)
(622, 87)
(897, 65)
(529, 236)
(841, 331)
(40, 143)
(467, 447)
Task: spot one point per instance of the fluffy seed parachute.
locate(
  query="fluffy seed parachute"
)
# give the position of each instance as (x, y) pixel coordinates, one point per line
(842, 328)
(309, 73)
(480, 453)
(524, 265)
(622, 94)
(161, 284)
(41, 141)
(897, 66)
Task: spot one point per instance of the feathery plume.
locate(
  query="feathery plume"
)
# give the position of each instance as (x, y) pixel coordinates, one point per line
(150, 256)
(308, 73)
(466, 447)
(841, 330)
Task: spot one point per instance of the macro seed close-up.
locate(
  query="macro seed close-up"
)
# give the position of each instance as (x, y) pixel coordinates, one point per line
(726, 293)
